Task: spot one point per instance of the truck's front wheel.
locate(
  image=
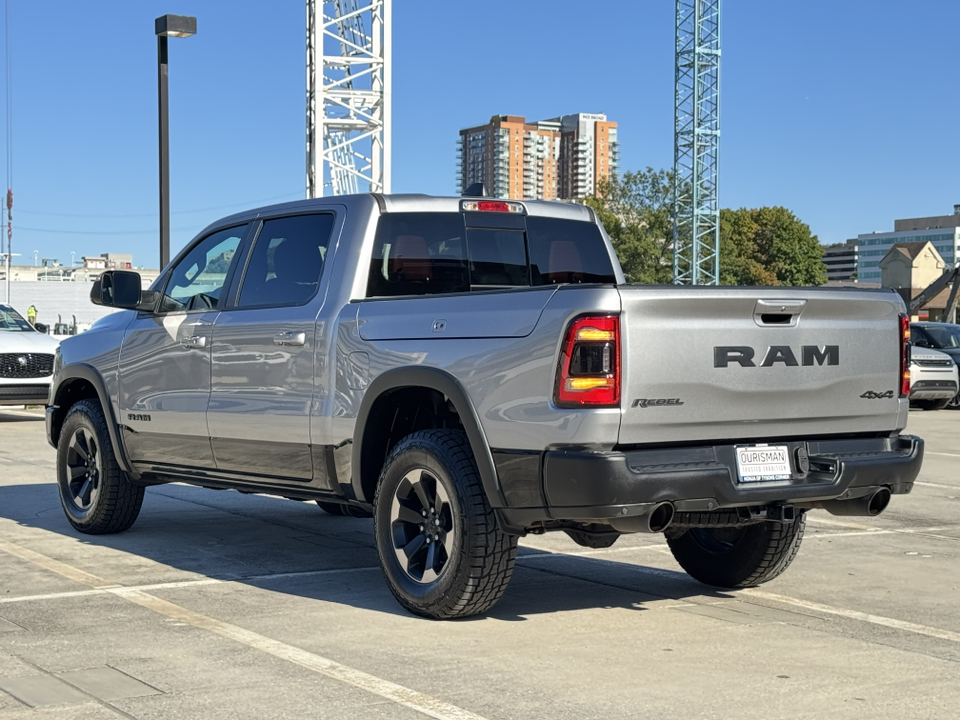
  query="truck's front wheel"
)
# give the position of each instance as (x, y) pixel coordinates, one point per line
(96, 494)
(738, 557)
(440, 548)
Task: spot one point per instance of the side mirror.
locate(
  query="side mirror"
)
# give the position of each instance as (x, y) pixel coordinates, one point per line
(121, 289)
(40, 327)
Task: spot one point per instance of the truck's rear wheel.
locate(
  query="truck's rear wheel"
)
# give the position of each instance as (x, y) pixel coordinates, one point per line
(96, 494)
(440, 548)
(738, 557)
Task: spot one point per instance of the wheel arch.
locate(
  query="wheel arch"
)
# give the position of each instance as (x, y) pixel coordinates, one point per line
(82, 382)
(388, 392)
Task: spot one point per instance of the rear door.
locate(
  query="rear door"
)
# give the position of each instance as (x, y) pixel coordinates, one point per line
(730, 363)
(264, 352)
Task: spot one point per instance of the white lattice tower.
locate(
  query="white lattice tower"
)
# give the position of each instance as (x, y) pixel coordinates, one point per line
(348, 96)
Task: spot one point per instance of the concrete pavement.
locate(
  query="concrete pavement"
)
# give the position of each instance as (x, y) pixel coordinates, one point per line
(222, 605)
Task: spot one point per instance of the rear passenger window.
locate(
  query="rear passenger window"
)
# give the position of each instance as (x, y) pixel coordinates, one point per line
(287, 261)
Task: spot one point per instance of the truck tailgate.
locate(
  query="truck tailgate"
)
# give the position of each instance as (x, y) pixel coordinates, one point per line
(713, 363)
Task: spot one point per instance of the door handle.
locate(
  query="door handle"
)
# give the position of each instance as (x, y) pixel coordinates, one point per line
(194, 341)
(290, 339)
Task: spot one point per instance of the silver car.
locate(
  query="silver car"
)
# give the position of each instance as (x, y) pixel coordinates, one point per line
(26, 360)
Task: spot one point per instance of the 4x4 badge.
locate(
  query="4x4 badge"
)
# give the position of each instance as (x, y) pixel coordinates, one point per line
(871, 395)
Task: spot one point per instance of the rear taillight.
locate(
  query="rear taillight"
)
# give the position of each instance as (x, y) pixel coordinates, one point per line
(904, 355)
(589, 371)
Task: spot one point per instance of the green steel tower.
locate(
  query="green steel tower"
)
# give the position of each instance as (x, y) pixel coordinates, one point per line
(696, 226)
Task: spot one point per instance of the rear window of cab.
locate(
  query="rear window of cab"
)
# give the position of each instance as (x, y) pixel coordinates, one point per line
(432, 253)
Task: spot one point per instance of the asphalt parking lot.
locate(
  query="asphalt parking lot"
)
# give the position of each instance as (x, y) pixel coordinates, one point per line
(222, 605)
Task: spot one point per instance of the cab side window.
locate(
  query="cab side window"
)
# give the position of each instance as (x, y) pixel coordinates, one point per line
(196, 281)
(418, 254)
(287, 261)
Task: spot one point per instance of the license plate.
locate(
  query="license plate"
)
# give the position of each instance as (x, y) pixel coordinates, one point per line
(763, 463)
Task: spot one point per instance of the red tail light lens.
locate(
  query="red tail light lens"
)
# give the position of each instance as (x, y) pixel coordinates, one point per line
(491, 206)
(589, 370)
(904, 355)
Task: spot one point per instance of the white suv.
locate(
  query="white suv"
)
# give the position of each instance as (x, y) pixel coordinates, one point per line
(933, 378)
(26, 360)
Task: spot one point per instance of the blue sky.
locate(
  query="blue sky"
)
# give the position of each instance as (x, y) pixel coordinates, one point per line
(844, 111)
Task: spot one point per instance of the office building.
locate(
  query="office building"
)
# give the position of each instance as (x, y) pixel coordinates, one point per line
(943, 231)
(559, 158)
(841, 261)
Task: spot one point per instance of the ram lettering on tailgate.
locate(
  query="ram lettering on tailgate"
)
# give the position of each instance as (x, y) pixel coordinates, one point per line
(810, 355)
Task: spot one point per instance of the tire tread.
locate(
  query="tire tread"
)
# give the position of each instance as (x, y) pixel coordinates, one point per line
(491, 558)
(745, 566)
(120, 500)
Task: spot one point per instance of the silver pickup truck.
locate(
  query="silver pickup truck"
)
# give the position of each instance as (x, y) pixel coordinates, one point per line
(469, 370)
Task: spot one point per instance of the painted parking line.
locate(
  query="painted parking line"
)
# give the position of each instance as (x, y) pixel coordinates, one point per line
(399, 694)
(941, 453)
(412, 699)
(175, 584)
(881, 620)
(941, 486)
(827, 520)
(54, 566)
(869, 618)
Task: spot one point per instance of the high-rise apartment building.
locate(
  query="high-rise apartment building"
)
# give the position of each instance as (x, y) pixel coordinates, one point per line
(563, 157)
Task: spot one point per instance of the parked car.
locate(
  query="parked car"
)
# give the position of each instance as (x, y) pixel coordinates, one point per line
(470, 370)
(934, 379)
(26, 360)
(944, 337)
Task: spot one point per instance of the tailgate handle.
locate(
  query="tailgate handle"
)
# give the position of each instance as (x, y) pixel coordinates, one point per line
(778, 313)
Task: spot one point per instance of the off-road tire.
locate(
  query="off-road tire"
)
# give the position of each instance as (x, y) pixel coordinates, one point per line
(738, 557)
(333, 508)
(954, 402)
(475, 558)
(98, 498)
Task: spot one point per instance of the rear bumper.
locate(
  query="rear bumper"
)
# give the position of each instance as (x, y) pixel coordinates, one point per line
(582, 486)
(933, 390)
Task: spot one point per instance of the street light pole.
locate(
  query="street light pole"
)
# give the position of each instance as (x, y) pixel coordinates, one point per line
(167, 26)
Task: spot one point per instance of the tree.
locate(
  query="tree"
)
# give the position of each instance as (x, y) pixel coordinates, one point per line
(762, 246)
(768, 246)
(637, 211)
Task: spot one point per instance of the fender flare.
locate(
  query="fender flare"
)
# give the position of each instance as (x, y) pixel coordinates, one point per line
(443, 382)
(82, 371)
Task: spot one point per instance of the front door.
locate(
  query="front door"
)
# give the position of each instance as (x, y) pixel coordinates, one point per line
(165, 360)
(264, 353)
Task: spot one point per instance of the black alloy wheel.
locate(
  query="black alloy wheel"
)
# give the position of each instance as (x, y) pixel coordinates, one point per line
(422, 526)
(83, 469)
